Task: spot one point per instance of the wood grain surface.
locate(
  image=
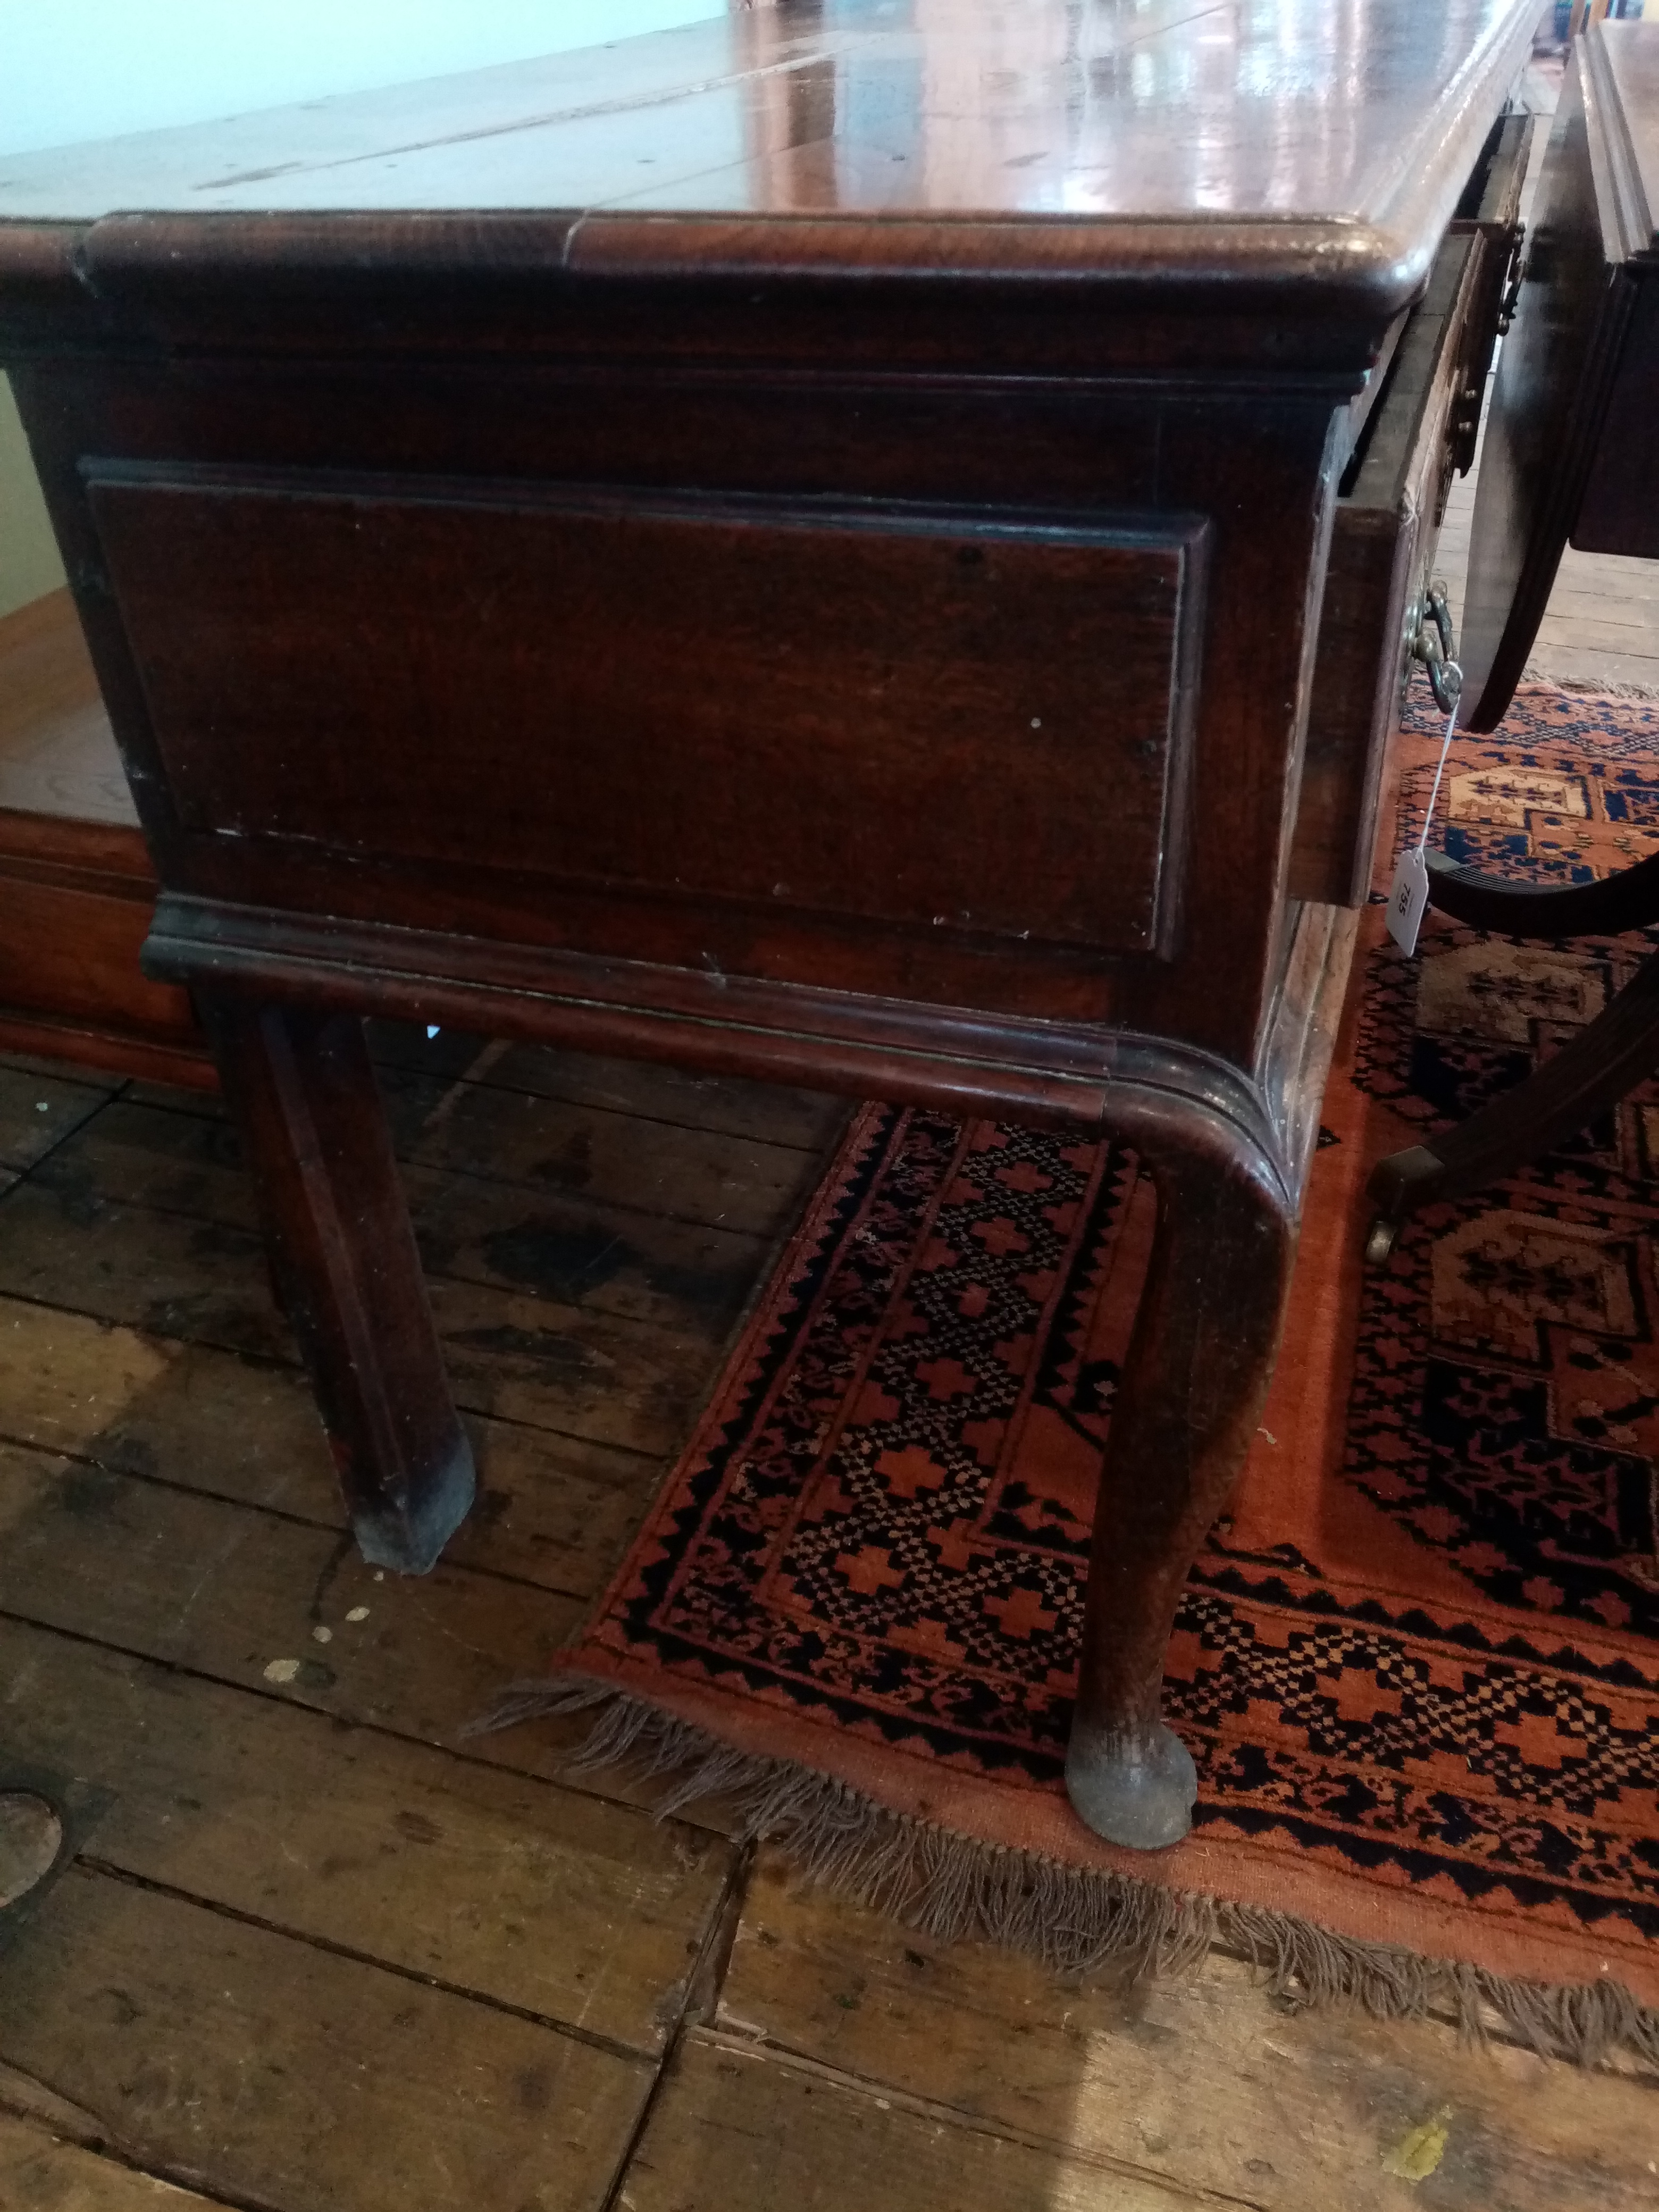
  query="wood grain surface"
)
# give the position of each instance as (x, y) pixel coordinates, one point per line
(872, 131)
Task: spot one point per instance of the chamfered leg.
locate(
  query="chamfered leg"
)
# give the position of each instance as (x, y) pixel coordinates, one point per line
(1186, 1407)
(346, 1271)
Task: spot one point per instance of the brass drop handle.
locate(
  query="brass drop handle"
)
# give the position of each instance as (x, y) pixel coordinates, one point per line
(1435, 645)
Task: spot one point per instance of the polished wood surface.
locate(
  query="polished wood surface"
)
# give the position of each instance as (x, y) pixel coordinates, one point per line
(1325, 144)
(777, 619)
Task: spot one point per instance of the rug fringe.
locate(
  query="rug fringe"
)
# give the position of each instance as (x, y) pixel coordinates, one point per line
(1076, 1920)
(1585, 686)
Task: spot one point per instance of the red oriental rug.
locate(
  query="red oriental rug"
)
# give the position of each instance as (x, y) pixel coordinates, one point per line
(1419, 1663)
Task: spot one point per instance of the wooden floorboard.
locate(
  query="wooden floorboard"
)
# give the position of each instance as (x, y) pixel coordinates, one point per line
(553, 1508)
(42, 2173)
(223, 2054)
(573, 1367)
(587, 1247)
(544, 1900)
(742, 2126)
(323, 1948)
(1206, 2081)
(39, 1110)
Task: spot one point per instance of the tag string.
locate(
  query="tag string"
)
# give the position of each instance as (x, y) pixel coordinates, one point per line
(1440, 765)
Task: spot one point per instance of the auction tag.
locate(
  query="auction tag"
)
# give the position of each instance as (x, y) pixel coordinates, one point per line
(1408, 898)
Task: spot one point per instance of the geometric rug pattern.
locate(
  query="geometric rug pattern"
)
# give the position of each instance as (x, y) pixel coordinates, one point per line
(1418, 1661)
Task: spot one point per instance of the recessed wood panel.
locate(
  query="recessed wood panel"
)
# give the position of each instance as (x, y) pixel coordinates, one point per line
(922, 718)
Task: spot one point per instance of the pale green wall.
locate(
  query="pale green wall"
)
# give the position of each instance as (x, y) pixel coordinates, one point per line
(75, 70)
(29, 565)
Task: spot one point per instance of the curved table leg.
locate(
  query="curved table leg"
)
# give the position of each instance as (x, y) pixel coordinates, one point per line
(1186, 1410)
(1584, 1079)
(1629, 899)
(1199, 1359)
(1590, 1074)
(346, 1271)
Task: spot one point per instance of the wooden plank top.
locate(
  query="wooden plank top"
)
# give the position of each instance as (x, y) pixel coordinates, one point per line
(1628, 85)
(1317, 143)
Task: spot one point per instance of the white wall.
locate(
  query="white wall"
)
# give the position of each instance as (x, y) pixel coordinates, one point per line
(75, 70)
(29, 565)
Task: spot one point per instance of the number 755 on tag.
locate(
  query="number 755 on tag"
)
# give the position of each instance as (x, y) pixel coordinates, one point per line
(1408, 898)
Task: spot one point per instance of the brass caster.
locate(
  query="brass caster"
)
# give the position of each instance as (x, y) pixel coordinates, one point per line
(1380, 1243)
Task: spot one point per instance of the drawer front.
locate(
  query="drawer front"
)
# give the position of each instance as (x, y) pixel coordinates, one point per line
(918, 718)
(1382, 545)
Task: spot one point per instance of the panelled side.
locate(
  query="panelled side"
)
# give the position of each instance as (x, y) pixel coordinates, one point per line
(910, 718)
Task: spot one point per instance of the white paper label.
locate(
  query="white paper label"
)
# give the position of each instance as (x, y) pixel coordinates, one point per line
(1408, 898)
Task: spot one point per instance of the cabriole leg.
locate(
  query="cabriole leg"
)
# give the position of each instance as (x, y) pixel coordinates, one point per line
(347, 1273)
(1186, 1407)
